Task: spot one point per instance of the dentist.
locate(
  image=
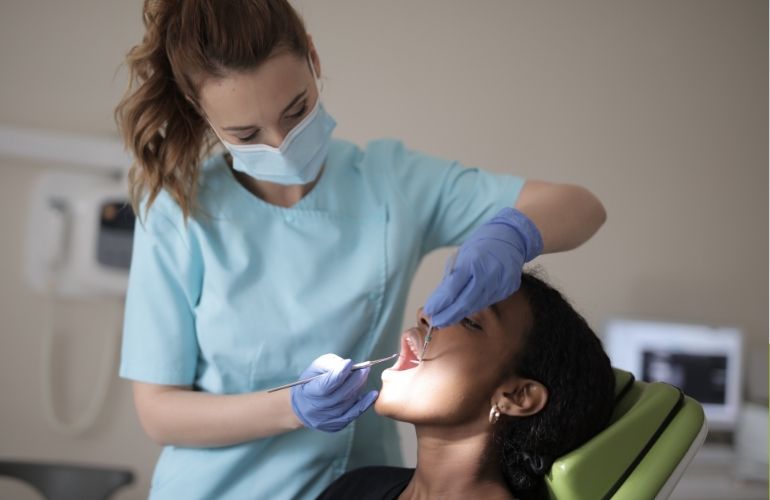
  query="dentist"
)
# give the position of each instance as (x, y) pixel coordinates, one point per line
(251, 262)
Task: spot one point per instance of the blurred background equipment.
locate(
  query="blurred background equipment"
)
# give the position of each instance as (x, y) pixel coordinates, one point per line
(707, 364)
(78, 246)
(79, 235)
(59, 481)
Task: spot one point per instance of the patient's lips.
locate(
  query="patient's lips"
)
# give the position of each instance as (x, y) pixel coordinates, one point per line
(410, 346)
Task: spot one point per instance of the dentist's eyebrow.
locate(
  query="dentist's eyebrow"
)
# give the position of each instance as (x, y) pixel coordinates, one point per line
(297, 98)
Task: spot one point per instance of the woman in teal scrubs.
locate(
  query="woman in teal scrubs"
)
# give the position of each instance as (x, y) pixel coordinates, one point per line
(289, 255)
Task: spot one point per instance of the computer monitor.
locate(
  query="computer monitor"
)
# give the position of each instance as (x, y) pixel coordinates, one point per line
(705, 362)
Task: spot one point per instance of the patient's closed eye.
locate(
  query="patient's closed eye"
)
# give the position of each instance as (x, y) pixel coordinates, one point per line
(471, 325)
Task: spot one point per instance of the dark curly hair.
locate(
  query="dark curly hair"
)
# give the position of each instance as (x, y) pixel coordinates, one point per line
(563, 353)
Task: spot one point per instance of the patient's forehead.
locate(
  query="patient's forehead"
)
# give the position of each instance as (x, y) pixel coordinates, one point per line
(515, 314)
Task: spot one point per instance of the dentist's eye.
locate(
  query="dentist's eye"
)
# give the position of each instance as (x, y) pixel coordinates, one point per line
(250, 137)
(299, 113)
(470, 324)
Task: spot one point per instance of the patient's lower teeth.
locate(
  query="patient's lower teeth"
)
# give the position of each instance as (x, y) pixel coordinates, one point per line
(415, 361)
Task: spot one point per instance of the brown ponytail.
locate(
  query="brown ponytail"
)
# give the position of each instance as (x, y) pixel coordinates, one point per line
(186, 42)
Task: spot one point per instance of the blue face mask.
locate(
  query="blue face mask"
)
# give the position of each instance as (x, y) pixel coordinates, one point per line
(299, 157)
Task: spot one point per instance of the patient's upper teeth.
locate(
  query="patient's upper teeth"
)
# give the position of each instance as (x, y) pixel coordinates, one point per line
(413, 342)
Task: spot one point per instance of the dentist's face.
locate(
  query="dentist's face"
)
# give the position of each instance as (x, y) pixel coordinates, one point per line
(464, 364)
(261, 106)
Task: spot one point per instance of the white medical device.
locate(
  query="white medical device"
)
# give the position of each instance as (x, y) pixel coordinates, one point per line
(79, 235)
(705, 362)
(78, 245)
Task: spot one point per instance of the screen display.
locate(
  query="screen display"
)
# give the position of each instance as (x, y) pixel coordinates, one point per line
(702, 377)
(704, 361)
(116, 235)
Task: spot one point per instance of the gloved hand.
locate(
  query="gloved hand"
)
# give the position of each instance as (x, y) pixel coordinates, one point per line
(486, 269)
(331, 401)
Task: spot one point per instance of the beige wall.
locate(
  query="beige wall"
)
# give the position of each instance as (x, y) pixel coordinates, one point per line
(659, 107)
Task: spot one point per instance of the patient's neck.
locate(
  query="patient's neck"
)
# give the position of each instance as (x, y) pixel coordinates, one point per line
(456, 463)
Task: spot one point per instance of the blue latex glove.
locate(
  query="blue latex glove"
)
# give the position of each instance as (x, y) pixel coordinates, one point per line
(486, 269)
(332, 401)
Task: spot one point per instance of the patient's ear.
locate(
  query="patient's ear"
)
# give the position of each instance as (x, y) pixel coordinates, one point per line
(520, 397)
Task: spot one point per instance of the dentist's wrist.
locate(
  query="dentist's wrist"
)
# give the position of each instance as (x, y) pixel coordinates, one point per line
(288, 420)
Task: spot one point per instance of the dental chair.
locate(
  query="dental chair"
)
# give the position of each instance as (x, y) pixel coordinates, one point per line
(58, 481)
(654, 433)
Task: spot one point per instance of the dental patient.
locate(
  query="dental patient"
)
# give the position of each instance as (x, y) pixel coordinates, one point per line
(497, 398)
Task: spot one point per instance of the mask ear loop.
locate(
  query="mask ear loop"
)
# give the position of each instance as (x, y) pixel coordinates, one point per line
(211, 126)
(203, 115)
(198, 110)
(319, 84)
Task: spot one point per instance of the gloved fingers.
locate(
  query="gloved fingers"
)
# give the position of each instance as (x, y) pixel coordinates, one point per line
(335, 377)
(330, 369)
(447, 291)
(466, 302)
(327, 362)
(449, 265)
(345, 393)
(361, 405)
(351, 387)
(460, 269)
(335, 419)
(491, 282)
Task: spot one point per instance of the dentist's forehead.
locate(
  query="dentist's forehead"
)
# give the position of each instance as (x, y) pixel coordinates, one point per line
(255, 96)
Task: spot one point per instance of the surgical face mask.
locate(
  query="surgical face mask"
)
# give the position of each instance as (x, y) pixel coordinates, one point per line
(299, 157)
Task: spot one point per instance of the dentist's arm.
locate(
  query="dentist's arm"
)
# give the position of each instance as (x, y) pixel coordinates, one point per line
(180, 416)
(566, 215)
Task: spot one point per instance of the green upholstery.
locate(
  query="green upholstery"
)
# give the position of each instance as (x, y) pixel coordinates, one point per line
(651, 430)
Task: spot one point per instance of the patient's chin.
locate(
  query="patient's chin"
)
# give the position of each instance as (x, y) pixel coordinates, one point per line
(395, 405)
(418, 404)
(388, 407)
(400, 406)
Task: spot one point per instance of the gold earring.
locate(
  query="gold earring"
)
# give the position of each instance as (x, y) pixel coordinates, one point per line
(494, 414)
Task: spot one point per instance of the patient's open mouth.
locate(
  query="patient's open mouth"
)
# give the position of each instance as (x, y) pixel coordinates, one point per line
(410, 351)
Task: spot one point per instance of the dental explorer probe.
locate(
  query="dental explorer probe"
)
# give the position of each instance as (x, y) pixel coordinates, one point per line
(452, 260)
(425, 344)
(357, 366)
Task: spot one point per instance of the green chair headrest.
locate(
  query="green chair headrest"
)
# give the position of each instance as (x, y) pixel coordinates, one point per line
(643, 413)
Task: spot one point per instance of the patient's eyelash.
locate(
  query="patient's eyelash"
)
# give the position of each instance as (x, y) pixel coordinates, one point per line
(470, 324)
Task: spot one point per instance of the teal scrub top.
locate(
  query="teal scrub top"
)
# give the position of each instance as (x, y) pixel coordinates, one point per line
(245, 295)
